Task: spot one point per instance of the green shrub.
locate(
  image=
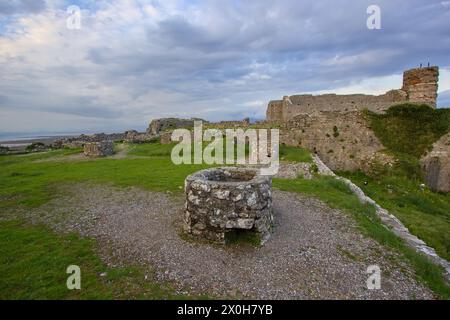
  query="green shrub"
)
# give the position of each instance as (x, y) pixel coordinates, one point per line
(410, 128)
(35, 146)
(335, 132)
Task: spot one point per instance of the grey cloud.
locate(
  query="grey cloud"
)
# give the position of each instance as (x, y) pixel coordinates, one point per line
(21, 6)
(235, 52)
(3, 99)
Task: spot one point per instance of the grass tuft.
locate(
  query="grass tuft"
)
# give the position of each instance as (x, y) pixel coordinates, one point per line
(33, 263)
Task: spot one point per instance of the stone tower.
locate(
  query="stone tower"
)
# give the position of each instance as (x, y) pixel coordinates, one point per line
(421, 84)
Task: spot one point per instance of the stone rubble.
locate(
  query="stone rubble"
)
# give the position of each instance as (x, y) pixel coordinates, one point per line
(99, 149)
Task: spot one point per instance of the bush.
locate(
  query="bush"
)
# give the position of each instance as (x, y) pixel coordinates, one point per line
(36, 146)
(410, 128)
(3, 150)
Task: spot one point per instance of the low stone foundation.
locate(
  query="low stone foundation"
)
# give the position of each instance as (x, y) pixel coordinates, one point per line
(221, 200)
(99, 149)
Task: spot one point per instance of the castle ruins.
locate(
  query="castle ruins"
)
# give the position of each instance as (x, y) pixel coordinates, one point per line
(419, 86)
(335, 128)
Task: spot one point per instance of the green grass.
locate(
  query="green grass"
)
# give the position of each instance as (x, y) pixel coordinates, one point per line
(409, 128)
(337, 195)
(33, 263)
(294, 154)
(287, 153)
(408, 131)
(151, 149)
(27, 182)
(425, 213)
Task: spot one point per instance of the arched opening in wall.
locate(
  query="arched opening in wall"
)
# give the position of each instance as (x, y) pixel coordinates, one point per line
(243, 236)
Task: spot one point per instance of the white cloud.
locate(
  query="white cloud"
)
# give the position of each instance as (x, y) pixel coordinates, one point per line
(444, 79)
(375, 85)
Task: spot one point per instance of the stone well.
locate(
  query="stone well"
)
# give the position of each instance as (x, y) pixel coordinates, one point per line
(99, 149)
(222, 200)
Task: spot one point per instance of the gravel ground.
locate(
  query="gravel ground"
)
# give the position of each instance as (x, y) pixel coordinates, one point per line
(314, 253)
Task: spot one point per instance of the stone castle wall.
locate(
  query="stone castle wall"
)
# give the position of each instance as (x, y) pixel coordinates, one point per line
(334, 127)
(344, 141)
(419, 86)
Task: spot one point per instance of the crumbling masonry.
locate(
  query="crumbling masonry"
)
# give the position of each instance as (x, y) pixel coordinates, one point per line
(419, 86)
(333, 126)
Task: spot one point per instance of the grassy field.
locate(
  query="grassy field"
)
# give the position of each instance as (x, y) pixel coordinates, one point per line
(408, 132)
(31, 180)
(33, 262)
(287, 153)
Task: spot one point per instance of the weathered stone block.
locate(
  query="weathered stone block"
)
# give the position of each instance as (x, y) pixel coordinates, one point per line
(166, 137)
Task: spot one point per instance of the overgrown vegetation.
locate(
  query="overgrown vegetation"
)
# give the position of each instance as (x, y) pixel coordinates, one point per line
(337, 195)
(408, 131)
(409, 128)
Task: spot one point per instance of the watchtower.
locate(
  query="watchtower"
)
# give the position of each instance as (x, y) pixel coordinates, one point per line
(421, 84)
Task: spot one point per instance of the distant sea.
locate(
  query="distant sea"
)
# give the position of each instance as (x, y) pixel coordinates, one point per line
(16, 139)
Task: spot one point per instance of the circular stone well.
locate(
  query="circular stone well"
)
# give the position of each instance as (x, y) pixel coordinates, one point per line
(222, 200)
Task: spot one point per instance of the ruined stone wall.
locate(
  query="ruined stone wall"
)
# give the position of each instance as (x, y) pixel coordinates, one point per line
(228, 124)
(275, 110)
(421, 84)
(160, 125)
(344, 141)
(292, 106)
(436, 165)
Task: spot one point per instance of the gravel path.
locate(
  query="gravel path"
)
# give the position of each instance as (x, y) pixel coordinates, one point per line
(314, 253)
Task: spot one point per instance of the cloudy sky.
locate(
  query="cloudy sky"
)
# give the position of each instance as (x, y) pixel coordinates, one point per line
(134, 60)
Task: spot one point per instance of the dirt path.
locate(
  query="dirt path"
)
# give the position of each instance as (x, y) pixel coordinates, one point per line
(314, 252)
(121, 152)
